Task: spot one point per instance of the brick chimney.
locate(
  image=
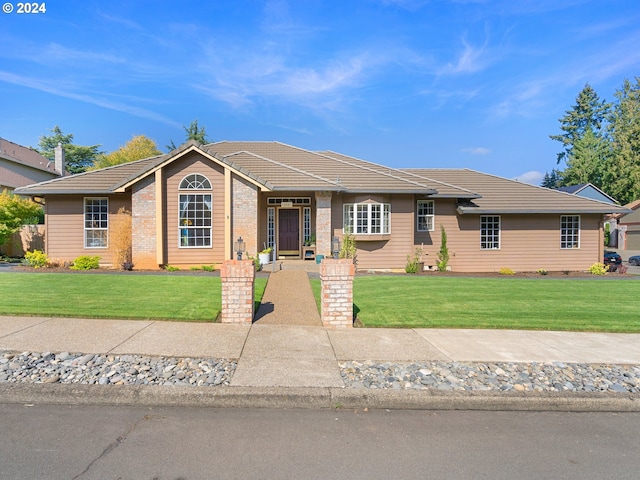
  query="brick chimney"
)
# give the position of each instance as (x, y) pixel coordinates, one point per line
(60, 165)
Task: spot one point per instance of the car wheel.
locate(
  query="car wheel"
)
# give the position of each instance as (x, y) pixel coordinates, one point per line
(634, 261)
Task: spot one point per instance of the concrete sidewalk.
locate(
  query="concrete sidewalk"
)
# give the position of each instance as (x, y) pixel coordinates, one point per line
(291, 365)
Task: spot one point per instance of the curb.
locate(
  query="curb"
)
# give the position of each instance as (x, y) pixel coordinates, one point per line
(317, 398)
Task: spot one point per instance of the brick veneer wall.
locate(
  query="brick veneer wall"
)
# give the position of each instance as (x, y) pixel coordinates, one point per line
(323, 223)
(143, 224)
(245, 214)
(337, 292)
(238, 277)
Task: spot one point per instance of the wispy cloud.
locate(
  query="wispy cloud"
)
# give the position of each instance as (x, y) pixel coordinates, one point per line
(532, 177)
(476, 151)
(57, 88)
(472, 59)
(240, 77)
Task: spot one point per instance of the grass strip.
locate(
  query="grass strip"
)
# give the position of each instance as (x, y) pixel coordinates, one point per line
(194, 298)
(595, 305)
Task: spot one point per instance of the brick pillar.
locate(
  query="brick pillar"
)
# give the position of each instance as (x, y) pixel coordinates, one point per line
(337, 292)
(237, 291)
(323, 223)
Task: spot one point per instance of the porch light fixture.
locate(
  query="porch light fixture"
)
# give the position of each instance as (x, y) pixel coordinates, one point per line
(240, 247)
(335, 247)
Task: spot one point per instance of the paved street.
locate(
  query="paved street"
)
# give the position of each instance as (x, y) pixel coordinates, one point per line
(94, 442)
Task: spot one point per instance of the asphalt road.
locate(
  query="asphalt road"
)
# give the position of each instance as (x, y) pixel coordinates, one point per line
(71, 442)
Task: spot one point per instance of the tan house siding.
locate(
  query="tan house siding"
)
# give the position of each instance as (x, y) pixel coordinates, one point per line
(174, 173)
(13, 174)
(64, 220)
(380, 251)
(527, 243)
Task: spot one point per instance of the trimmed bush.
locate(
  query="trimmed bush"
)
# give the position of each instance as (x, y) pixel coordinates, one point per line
(598, 269)
(506, 271)
(36, 259)
(86, 262)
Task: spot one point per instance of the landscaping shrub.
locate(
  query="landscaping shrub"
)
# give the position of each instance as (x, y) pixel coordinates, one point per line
(348, 249)
(506, 271)
(542, 271)
(86, 262)
(120, 239)
(413, 262)
(598, 269)
(443, 254)
(36, 259)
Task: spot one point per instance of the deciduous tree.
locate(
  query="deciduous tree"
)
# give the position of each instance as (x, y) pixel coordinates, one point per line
(14, 212)
(137, 148)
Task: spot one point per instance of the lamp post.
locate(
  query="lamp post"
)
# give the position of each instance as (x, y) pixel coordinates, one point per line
(240, 247)
(335, 247)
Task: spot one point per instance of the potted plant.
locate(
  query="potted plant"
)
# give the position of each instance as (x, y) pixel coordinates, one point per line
(265, 256)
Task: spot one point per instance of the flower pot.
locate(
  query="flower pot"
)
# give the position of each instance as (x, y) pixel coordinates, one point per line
(264, 258)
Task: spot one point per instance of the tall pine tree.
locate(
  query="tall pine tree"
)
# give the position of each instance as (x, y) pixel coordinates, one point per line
(623, 174)
(588, 114)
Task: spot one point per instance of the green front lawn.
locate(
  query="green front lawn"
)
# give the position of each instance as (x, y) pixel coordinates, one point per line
(164, 297)
(512, 303)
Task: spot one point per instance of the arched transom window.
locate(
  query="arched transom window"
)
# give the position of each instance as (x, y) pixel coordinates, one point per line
(194, 212)
(195, 181)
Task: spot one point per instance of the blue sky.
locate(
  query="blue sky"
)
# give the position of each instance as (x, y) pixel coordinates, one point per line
(406, 83)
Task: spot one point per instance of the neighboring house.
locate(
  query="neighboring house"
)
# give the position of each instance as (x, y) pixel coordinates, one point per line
(588, 190)
(20, 166)
(190, 205)
(629, 227)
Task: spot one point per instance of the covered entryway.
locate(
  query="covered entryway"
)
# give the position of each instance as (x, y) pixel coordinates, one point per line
(289, 231)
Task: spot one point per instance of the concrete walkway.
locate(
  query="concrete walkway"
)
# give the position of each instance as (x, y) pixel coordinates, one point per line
(294, 355)
(298, 366)
(288, 300)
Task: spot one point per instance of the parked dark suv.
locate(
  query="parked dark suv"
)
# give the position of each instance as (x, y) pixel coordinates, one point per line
(613, 260)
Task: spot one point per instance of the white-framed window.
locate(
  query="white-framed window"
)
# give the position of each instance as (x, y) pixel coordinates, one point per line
(306, 223)
(96, 222)
(367, 218)
(194, 213)
(569, 231)
(271, 227)
(425, 217)
(490, 232)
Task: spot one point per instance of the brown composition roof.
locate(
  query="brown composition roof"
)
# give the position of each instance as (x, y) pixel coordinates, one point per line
(26, 156)
(106, 180)
(501, 195)
(292, 168)
(280, 167)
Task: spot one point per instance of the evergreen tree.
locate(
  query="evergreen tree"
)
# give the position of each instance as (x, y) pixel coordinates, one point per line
(588, 160)
(589, 113)
(623, 175)
(194, 132)
(77, 157)
(552, 180)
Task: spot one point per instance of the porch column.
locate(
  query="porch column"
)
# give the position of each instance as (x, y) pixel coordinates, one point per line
(238, 277)
(323, 223)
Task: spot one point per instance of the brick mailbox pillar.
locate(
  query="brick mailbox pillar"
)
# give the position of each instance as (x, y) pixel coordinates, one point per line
(337, 292)
(238, 278)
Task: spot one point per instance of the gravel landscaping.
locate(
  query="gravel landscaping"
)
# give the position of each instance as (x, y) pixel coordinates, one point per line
(77, 368)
